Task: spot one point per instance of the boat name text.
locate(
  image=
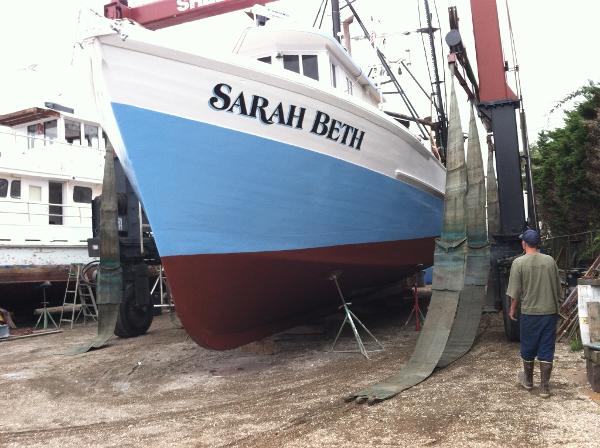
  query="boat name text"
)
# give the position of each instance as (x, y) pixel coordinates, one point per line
(292, 116)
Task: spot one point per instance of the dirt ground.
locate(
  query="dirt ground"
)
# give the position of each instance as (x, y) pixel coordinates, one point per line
(162, 390)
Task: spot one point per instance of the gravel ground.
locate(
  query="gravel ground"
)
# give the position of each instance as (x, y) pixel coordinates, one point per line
(161, 390)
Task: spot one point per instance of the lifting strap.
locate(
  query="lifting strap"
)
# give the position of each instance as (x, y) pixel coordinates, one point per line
(461, 263)
(110, 275)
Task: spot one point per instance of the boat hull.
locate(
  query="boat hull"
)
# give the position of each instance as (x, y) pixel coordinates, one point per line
(252, 209)
(226, 300)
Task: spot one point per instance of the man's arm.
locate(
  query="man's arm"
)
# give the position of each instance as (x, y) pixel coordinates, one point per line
(514, 290)
(558, 287)
(513, 309)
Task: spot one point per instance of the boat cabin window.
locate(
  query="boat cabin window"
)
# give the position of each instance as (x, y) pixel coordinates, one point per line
(333, 76)
(348, 86)
(33, 130)
(15, 189)
(72, 131)
(47, 130)
(266, 59)
(35, 193)
(55, 197)
(82, 194)
(91, 135)
(309, 66)
(50, 131)
(3, 188)
(291, 62)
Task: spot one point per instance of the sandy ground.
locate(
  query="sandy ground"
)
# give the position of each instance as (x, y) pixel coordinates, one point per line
(162, 390)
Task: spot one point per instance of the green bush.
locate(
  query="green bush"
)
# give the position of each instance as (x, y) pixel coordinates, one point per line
(566, 168)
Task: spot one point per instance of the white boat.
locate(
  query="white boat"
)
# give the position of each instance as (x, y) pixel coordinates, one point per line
(50, 169)
(263, 172)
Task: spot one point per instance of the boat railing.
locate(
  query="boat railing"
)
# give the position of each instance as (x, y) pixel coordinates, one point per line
(26, 142)
(35, 213)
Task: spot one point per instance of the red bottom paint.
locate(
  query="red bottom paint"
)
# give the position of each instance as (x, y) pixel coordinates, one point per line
(228, 300)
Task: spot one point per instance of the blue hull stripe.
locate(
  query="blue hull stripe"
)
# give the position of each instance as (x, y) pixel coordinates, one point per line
(208, 189)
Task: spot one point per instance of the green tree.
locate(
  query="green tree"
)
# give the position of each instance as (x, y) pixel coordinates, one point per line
(566, 168)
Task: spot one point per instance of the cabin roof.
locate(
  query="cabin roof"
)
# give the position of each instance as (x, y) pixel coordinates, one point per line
(26, 116)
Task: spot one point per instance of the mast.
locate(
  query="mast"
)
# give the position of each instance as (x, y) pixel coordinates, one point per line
(335, 15)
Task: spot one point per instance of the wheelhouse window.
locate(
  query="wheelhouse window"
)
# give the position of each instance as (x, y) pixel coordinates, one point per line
(82, 195)
(3, 188)
(15, 189)
(90, 134)
(348, 86)
(50, 131)
(291, 62)
(73, 132)
(266, 59)
(333, 76)
(33, 130)
(310, 66)
(35, 193)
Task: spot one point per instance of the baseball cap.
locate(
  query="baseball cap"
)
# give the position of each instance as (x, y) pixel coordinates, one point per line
(531, 237)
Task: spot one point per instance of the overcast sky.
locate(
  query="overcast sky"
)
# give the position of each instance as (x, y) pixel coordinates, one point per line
(555, 42)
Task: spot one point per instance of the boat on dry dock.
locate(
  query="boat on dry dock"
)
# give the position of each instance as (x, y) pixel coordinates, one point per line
(50, 169)
(263, 172)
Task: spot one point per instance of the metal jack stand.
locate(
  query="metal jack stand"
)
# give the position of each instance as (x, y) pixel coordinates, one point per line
(45, 313)
(349, 318)
(416, 310)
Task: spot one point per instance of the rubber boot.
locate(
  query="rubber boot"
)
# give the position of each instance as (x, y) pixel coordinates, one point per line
(545, 372)
(526, 376)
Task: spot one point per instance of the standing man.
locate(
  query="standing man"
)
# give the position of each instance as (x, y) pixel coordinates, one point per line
(534, 282)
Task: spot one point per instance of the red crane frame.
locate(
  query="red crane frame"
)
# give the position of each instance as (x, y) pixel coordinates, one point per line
(165, 13)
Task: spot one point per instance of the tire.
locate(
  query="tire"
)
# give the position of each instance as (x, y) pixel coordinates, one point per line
(134, 320)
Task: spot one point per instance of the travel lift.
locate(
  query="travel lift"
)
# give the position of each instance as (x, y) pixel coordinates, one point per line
(496, 106)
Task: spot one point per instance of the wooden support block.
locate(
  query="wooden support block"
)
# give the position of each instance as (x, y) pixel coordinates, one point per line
(591, 355)
(57, 309)
(594, 321)
(593, 374)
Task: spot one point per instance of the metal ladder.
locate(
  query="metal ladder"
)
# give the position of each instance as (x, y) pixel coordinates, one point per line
(78, 299)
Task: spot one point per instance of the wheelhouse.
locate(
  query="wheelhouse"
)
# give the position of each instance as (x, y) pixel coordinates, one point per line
(311, 54)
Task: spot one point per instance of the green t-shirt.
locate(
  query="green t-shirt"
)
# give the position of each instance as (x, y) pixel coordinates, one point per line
(534, 281)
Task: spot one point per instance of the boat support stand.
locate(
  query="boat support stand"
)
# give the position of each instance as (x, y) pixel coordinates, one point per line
(349, 318)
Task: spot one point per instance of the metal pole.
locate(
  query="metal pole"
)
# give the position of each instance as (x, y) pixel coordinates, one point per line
(531, 208)
(439, 104)
(335, 16)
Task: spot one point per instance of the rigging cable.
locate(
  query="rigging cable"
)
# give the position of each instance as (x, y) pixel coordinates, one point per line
(317, 15)
(531, 206)
(382, 59)
(323, 15)
(514, 55)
